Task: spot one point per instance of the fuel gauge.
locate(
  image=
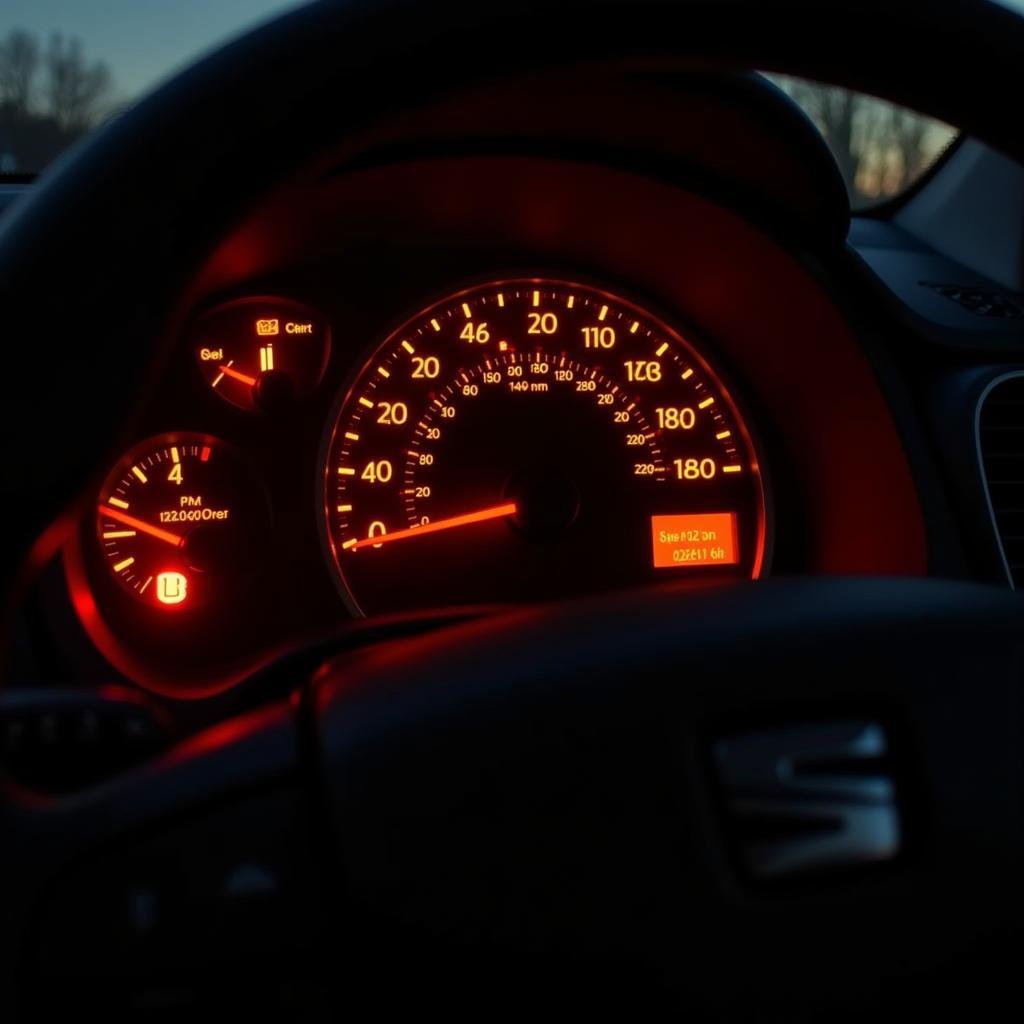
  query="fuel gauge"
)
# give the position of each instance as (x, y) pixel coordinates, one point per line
(261, 353)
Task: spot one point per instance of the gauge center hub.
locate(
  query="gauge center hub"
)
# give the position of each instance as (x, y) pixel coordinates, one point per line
(208, 549)
(547, 502)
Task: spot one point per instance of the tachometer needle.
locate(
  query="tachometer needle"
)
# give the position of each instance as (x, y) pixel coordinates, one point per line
(243, 377)
(142, 526)
(481, 516)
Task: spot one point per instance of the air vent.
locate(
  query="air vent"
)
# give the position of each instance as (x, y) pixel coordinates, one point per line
(980, 301)
(1001, 450)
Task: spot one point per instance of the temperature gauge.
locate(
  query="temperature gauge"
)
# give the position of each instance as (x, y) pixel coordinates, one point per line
(261, 353)
(180, 519)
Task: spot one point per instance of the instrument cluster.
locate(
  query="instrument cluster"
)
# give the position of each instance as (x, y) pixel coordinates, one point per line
(524, 439)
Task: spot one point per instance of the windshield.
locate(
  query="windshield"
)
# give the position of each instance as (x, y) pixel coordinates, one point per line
(66, 66)
(881, 149)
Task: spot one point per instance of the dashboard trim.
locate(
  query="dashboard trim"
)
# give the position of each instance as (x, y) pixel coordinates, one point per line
(978, 407)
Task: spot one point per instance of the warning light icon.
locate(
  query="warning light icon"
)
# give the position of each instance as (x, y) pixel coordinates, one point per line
(266, 328)
(171, 587)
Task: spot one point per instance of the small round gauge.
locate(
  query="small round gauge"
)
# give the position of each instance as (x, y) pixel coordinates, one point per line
(533, 439)
(179, 520)
(261, 353)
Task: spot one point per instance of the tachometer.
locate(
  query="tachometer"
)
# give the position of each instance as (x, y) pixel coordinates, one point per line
(533, 439)
(180, 519)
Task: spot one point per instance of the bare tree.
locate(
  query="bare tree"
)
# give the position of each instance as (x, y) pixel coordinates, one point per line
(907, 134)
(19, 63)
(77, 93)
(880, 148)
(838, 111)
(838, 115)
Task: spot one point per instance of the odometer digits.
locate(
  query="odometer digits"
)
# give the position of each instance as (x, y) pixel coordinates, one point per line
(534, 439)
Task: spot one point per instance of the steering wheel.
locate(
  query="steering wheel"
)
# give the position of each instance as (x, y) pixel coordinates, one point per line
(610, 802)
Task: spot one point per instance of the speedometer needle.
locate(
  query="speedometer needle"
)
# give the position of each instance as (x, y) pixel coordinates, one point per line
(142, 526)
(481, 516)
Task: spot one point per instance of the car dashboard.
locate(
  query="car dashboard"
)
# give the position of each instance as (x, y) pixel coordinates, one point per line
(454, 369)
(473, 508)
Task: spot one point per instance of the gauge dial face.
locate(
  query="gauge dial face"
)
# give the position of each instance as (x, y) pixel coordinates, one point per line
(261, 353)
(177, 521)
(535, 439)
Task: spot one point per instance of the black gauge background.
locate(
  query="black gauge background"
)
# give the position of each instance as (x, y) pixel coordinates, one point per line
(238, 307)
(246, 533)
(420, 304)
(189, 645)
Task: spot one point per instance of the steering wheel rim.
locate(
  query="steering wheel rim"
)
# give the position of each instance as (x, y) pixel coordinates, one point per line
(262, 85)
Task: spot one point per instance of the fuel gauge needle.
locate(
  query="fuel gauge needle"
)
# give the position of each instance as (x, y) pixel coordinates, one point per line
(243, 377)
(142, 526)
(452, 523)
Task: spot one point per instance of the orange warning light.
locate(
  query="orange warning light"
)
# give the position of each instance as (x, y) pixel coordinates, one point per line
(265, 328)
(171, 587)
(707, 538)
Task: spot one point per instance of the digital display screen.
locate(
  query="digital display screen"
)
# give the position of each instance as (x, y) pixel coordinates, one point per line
(697, 539)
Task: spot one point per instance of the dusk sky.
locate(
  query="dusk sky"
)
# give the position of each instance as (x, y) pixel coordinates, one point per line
(145, 40)
(142, 40)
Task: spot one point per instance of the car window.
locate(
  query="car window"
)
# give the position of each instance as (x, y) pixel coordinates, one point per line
(67, 66)
(881, 149)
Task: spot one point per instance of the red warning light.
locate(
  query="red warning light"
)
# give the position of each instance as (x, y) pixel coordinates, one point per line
(266, 328)
(171, 587)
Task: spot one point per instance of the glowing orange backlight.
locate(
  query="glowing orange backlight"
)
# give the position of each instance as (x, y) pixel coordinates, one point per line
(266, 328)
(706, 538)
(451, 523)
(171, 587)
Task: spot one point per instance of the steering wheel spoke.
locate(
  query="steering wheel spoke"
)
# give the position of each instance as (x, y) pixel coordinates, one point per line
(674, 776)
(684, 776)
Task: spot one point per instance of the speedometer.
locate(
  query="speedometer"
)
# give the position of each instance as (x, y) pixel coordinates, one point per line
(533, 439)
